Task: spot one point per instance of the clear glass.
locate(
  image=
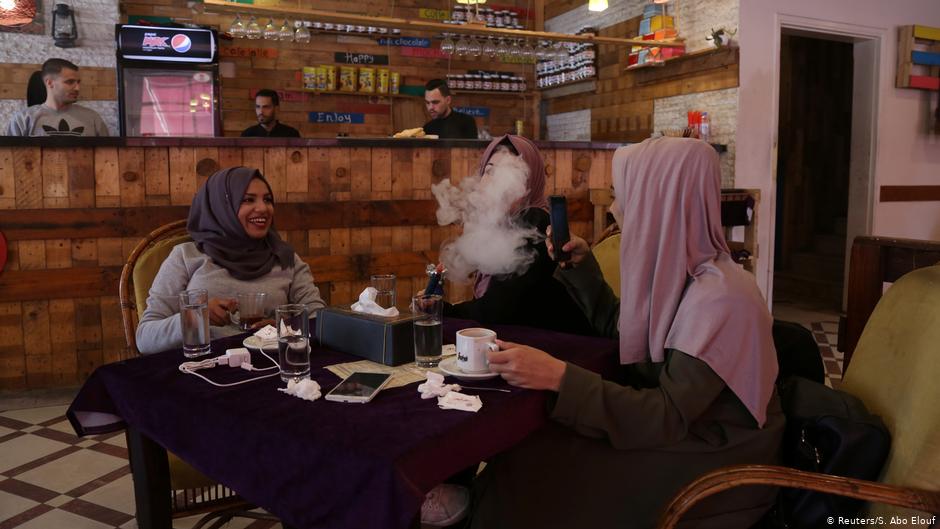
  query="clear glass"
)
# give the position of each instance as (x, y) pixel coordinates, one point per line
(447, 45)
(474, 48)
(384, 284)
(503, 49)
(293, 339)
(516, 50)
(302, 34)
(253, 30)
(237, 29)
(250, 309)
(286, 33)
(194, 322)
(461, 47)
(428, 329)
(489, 48)
(271, 32)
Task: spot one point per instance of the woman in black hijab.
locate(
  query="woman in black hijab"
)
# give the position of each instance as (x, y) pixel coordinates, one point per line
(235, 249)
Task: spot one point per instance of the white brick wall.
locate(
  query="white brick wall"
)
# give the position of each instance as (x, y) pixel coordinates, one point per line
(722, 108)
(569, 126)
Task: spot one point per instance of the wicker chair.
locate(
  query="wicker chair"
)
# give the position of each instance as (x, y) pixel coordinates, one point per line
(191, 493)
(894, 371)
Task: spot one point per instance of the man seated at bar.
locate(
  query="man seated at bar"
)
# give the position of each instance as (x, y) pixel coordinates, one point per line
(445, 121)
(235, 248)
(267, 103)
(60, 115)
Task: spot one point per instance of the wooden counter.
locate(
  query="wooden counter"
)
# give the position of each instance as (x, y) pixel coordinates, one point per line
(72, 209)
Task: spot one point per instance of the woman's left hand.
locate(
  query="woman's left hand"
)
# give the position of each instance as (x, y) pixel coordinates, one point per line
(526, 367)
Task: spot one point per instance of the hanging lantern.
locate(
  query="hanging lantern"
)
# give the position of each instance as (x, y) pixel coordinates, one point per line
(64, 29)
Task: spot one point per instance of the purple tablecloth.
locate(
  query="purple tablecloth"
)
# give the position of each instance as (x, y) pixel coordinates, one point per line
(321, 464)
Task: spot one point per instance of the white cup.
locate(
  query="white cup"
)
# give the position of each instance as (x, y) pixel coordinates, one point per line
(472, 345)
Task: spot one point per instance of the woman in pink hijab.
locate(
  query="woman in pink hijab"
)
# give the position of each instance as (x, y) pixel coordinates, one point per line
(531, 296)
(697, 388)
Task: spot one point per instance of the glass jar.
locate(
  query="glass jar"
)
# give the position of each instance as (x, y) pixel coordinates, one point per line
(487, 82)
(459, 13)
(514, 19)
(490, 17)
(478, 82)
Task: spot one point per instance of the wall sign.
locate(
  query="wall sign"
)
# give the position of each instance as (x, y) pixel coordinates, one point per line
(337, 117)
(430, 53)
(416, 42)
(284, 95)
(150, 43)
(477, 112)
(237, 51)
(359, 58)
(434, 14)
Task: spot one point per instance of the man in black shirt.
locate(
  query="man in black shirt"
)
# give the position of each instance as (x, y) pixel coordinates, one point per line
(445, 121)
(267, 103)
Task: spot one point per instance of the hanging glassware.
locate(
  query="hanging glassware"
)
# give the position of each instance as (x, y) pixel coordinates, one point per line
(528, 52)
(253, 30)
(302, 34)
(543, 52)
(474, 48)
(503, 49)
(237, 29)
(489, 48)
(270, 30)
(516, 50)
(286, 33)
(461, 47)
(447, 45)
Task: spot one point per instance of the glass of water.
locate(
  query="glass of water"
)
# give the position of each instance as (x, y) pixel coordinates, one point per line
(194, 321)
(429, 331)
(384, 284)
(293, 338)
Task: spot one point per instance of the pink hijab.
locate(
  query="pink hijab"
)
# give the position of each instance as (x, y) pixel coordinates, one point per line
(679, 287)
(535, 195)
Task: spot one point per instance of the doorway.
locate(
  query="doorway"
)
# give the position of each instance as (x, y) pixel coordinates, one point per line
(813, 166)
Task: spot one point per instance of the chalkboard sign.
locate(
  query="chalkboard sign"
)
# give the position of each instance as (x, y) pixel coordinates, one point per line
(359, 58)
(337, 117)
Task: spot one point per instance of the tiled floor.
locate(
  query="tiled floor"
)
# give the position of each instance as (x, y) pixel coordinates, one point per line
(51, 479)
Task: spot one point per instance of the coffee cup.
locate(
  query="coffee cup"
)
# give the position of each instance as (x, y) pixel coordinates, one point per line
(472, 346)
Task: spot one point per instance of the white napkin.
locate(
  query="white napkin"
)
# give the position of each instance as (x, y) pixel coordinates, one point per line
(305, 389)
(268, 336)
(435, 387)
(368, 305)
(459, 401)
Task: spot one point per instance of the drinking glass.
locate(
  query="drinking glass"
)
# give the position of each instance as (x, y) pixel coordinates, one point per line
(270, 30)
(489, 48)
(447, 45)
(237, 29)
(302, 34)
(194, 321)
(286, 34)
(474, 48)
(253, 30)
(384, 284)
(461, 47)
(429, 330)
(250, 309)
(293, 338)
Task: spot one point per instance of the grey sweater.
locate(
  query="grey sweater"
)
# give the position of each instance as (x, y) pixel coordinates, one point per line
(187, 268)
(40, 120)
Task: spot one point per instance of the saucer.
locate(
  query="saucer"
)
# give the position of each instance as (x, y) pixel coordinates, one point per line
(253, 342)
(449, 366)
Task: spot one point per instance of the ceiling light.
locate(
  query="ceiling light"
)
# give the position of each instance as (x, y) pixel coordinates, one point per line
(597, 5)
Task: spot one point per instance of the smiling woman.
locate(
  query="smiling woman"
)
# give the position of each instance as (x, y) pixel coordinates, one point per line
(235, 249)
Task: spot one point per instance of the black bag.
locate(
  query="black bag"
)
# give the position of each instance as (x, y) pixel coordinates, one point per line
(831, 432)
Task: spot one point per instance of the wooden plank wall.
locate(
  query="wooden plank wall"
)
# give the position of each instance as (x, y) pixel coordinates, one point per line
(622, 105)
(97, 83)
(71, 217)
(283, 73)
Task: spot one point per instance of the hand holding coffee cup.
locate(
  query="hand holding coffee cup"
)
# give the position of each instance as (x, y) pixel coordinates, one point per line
(472, 347)
(250, 311)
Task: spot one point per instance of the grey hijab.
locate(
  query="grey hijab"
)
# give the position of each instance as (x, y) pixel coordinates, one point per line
(214, 226)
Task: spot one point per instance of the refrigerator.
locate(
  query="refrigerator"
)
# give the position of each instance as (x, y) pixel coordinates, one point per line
(168, 81)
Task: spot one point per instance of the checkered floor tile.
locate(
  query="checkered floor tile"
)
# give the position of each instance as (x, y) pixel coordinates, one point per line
(826, 334)
(51, 479)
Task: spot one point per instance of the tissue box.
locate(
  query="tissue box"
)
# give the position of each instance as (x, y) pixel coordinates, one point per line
(388, 341)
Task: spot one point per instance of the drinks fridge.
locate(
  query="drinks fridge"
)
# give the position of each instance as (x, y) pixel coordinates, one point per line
(168, 81)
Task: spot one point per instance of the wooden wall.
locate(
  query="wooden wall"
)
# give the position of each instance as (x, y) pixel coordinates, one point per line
(97, 83)
(622, 105)
(384, 115)
(72, 215)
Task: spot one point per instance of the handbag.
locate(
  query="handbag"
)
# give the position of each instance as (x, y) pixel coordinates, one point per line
(830, 432)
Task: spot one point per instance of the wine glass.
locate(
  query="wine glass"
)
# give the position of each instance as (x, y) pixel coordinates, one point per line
(237, 29)
(503, 49)
(515, 51)
(474, 48)
(461, 47)
(528, 52)
(285, 34)
(302, 34)
(253, 31)
(489, 48)
(447, 45)
(271, 32)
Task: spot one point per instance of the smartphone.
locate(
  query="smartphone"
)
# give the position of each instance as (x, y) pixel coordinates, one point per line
(558, 211)
(358, 387)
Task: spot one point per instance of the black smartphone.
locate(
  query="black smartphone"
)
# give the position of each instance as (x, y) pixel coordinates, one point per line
(558, 211)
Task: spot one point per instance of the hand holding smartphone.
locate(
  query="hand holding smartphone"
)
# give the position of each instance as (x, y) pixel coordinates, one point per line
(359, 387)
(558, 212)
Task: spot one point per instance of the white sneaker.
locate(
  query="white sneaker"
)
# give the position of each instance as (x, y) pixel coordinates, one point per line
(445, 505)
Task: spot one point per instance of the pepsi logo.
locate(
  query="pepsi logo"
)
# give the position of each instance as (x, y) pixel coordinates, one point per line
(181, 43)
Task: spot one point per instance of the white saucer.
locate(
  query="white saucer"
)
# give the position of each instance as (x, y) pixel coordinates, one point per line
(449, 366)
(253, 342)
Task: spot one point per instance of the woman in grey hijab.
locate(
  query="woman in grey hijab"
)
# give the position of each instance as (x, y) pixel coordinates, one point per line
(234, 249)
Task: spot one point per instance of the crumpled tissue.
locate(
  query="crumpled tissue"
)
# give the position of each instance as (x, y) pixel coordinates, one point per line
(368, 305)
(435, 387)
(305, 389)
(460, 401)
(268, 336)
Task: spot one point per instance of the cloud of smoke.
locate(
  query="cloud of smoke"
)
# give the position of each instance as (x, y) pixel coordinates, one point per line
(491, 242)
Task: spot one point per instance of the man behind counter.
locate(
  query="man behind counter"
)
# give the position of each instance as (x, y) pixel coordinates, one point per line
(267, 104)
(445, 121)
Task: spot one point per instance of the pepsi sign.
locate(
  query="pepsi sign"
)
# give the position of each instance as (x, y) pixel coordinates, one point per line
(149, 43)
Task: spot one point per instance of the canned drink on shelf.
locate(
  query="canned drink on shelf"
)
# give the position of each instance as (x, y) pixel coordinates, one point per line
(382, 84)
(321, 78)
(310, 78)
(367, 80)
(347, 78)
(394, 81)
(330, 77)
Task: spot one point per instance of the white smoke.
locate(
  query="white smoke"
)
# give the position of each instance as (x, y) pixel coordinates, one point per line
(491, 242)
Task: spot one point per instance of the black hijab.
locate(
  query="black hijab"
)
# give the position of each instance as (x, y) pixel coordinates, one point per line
(214, 226)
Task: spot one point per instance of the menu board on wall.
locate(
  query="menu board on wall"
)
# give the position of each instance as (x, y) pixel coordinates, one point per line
(346, 57)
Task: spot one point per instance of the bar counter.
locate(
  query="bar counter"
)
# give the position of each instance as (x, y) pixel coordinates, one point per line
(71, 210)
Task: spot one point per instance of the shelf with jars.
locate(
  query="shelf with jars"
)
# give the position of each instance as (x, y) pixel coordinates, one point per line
(570, 63)
(488, 82)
